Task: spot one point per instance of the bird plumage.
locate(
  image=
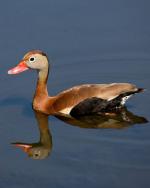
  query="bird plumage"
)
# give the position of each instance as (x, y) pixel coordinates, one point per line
(65, 101)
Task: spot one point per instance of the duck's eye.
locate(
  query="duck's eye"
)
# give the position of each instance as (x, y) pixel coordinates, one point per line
(36, 155)
(32, 59)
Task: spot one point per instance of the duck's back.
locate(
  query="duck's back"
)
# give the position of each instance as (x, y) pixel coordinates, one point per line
(68, 99)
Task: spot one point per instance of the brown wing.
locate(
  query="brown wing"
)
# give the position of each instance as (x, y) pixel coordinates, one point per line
(71, 97)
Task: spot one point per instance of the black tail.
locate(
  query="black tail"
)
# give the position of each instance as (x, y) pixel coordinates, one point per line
(140, 90)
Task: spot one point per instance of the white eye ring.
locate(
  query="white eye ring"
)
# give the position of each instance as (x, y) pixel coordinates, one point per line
(32, 59)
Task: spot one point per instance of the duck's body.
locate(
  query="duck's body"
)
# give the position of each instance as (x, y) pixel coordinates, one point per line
(67, 100)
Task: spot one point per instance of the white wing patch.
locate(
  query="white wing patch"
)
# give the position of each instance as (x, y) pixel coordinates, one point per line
(124, 99)
(66, 111)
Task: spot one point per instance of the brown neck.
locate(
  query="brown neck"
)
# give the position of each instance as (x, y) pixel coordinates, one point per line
(41, 87)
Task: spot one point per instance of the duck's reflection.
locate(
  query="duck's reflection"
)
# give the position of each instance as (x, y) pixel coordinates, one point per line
(42, 149)
(117, 120)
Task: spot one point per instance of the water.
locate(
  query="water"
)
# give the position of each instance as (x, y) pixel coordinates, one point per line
(89, 42)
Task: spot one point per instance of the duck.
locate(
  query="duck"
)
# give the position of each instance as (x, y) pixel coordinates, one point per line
(79, 100)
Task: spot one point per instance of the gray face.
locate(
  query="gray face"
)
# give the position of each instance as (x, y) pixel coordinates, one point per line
(37, 61)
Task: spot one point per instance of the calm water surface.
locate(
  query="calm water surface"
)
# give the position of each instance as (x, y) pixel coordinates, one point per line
(89, 42)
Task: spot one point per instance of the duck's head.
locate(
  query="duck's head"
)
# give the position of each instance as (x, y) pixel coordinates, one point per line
(34, 59)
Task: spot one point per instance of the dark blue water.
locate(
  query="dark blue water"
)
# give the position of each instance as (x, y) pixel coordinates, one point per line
(89, 42)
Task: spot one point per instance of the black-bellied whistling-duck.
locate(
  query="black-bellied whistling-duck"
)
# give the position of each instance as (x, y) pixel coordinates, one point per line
(78, 100)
